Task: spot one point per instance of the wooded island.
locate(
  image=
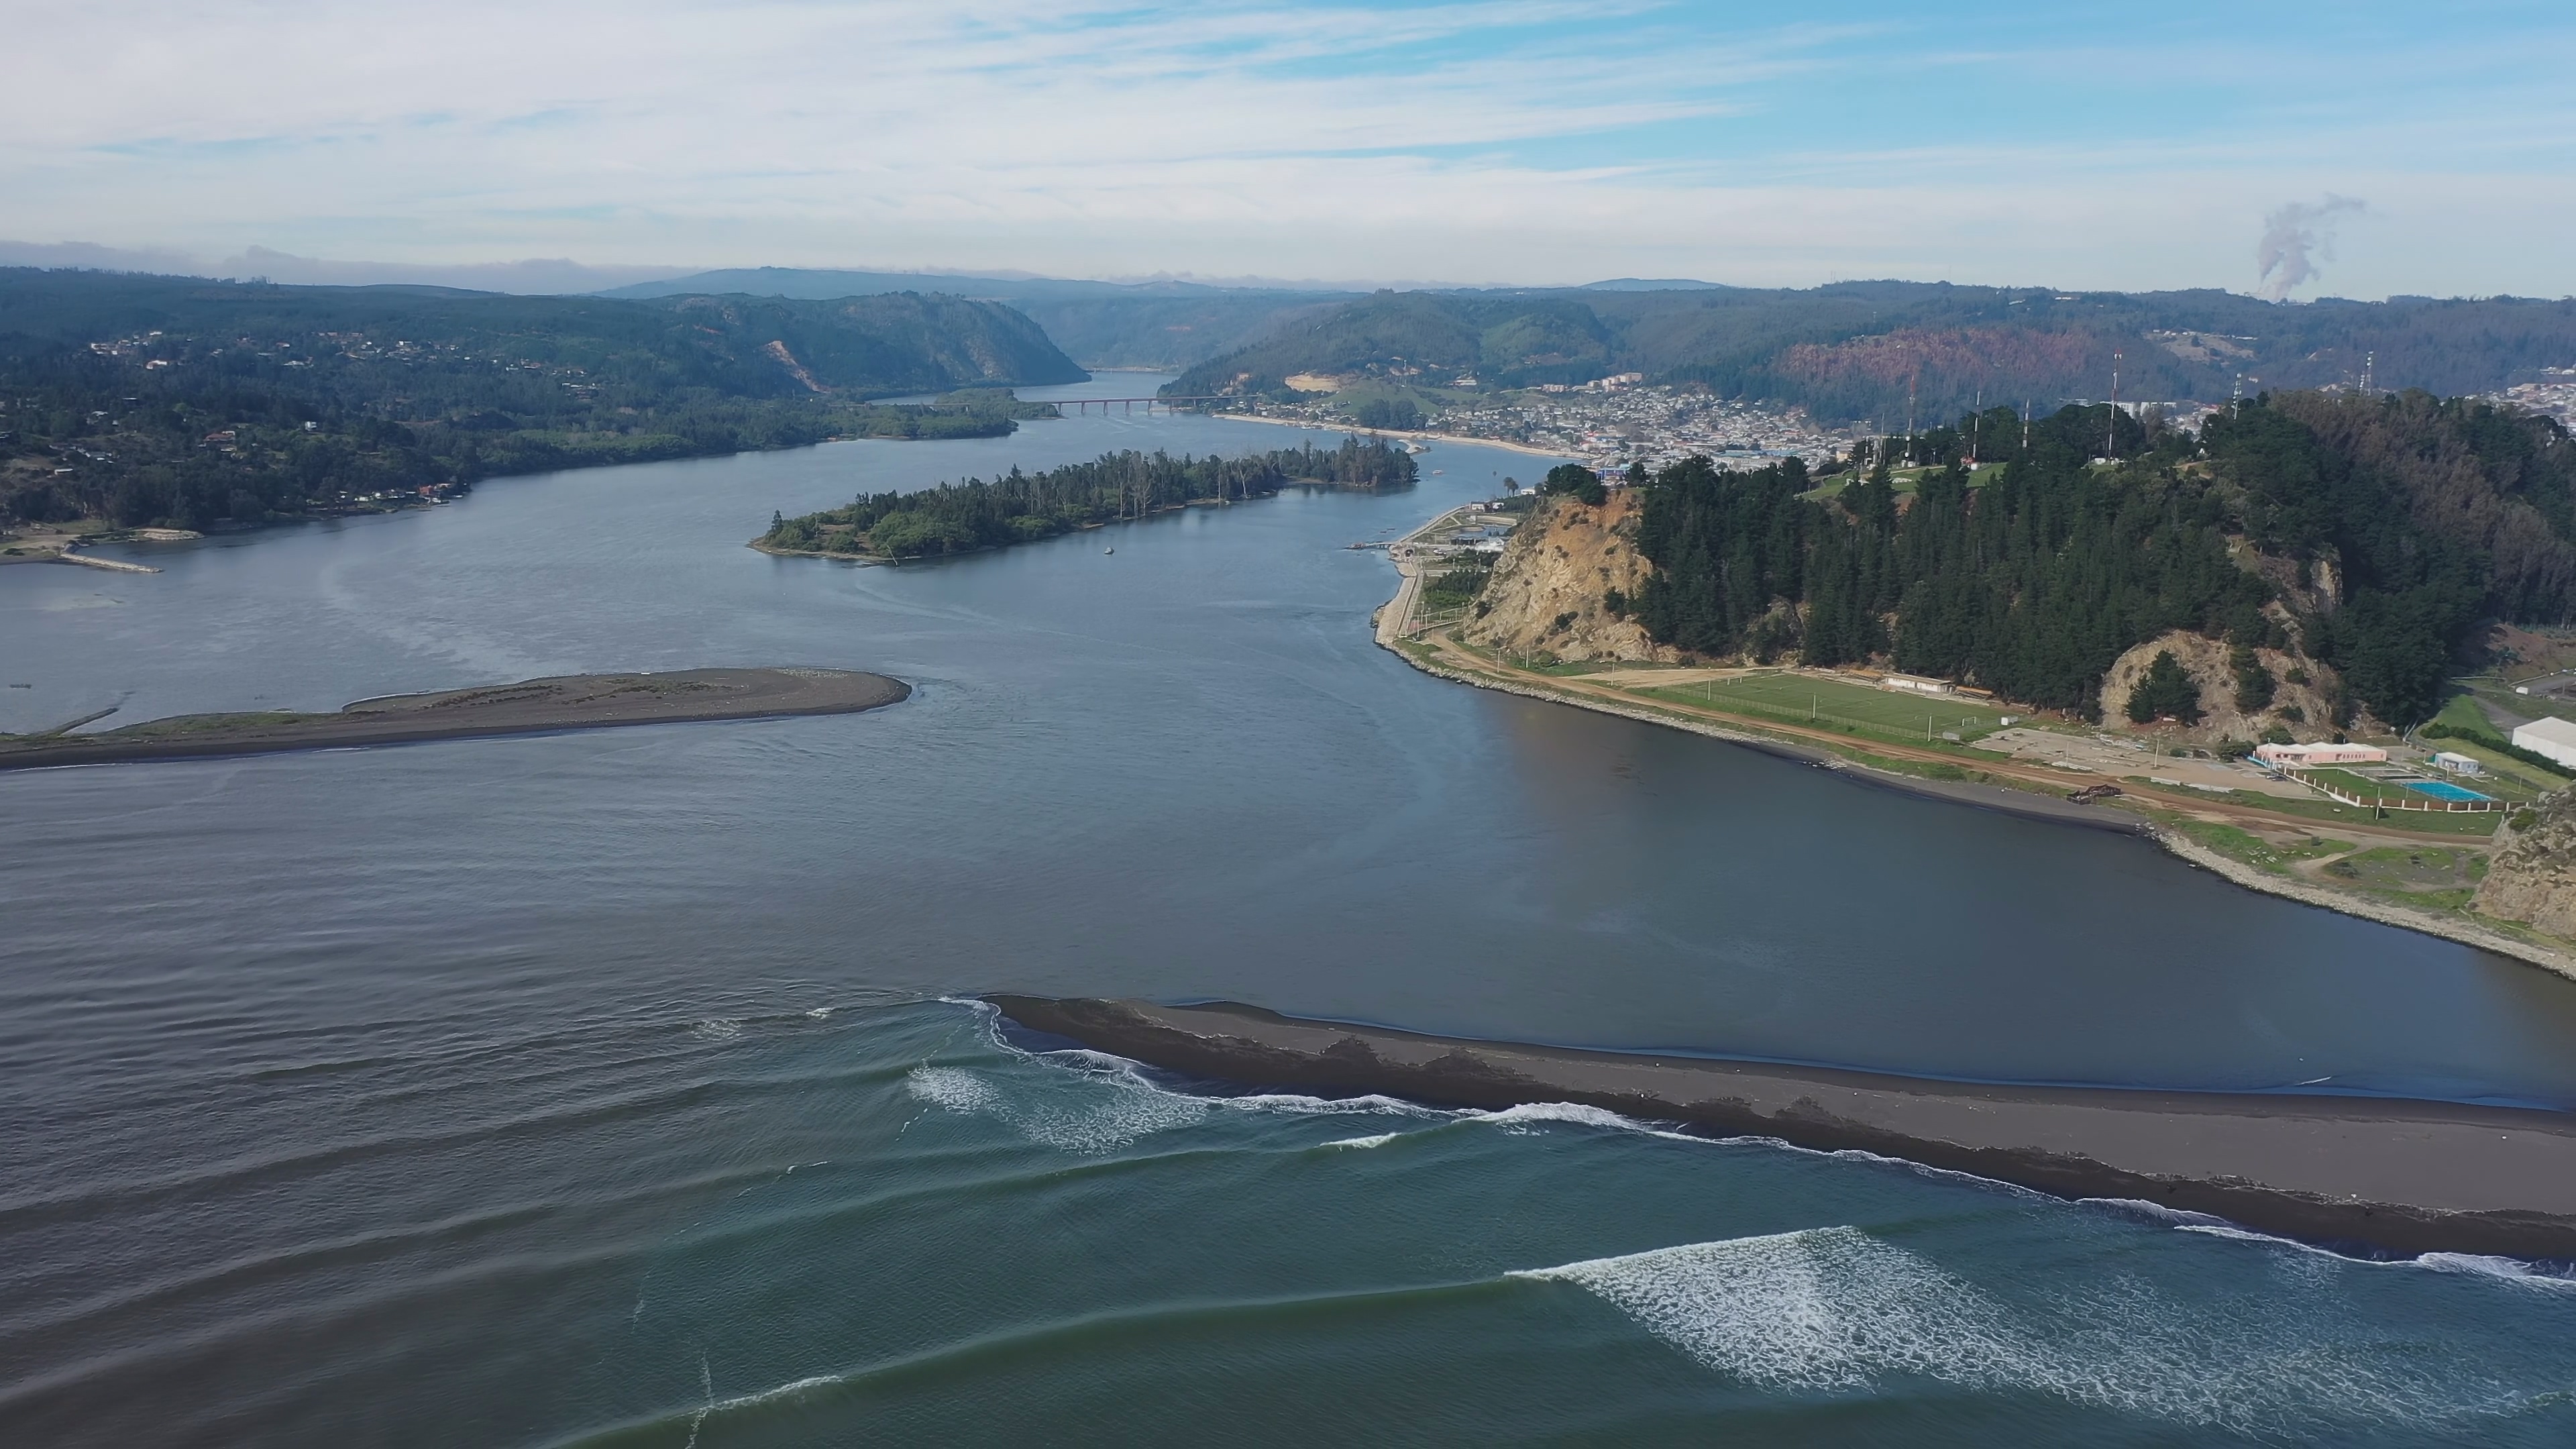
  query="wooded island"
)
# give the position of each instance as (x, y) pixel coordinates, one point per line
(1023, 507)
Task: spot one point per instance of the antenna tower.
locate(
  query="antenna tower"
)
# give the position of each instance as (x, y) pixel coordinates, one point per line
(2111, 427)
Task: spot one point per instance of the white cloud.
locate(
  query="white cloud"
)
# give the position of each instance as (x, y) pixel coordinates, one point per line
(1481, 140)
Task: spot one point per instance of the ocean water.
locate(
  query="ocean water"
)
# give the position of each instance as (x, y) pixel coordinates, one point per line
(620, 1088)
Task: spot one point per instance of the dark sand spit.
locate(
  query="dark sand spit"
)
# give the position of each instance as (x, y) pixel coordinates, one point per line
(2407, 1176)
(569, 702)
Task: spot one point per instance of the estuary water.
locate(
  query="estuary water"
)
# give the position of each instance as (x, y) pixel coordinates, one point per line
(619, 1087)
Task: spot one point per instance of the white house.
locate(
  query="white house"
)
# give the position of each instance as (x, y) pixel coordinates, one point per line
(2457, 764)
(2553, 739)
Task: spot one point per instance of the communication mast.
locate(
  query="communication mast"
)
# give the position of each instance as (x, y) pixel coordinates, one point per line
(2111, 427)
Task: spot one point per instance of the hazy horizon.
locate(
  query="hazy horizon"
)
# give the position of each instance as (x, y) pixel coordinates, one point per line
(568, 276)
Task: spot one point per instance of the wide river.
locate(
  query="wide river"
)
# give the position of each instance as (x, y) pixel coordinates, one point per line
(612, 1088)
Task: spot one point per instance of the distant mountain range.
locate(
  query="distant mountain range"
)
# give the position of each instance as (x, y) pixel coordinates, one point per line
(1887, 351)
(1102, 324)
(1879, 352)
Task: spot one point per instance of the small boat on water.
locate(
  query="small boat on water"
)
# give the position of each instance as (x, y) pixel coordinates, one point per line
(1109, 550)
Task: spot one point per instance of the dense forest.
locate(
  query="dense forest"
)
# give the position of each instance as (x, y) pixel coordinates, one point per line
(155, 400)
(2387, 526)
(1870, 350)
(1166, 324)
(1023, 507)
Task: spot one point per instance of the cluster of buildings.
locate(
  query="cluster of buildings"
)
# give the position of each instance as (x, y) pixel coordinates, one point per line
(1617, 421)
(2554, 395)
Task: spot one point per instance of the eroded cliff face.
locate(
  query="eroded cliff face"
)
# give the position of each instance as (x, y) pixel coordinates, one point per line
(2531, 877)
(1548, 595)
(2305, 710)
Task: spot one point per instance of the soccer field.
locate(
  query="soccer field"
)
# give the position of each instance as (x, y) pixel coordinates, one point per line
(1784, 695)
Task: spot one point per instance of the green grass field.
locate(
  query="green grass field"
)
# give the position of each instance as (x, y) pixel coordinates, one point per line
(2506, 778)
(1794, 697)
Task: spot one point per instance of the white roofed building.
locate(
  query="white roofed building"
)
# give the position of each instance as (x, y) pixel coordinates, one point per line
(2553, 739)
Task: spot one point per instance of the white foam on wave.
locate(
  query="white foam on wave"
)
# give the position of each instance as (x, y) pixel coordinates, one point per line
(1380, 1140)
(1835, 1310)
(1091, 1121)
(716, 1028)
(952, 1088)
(2179, 1217)
(1823, 1308)
(2503, 1270)
(1529, 1113)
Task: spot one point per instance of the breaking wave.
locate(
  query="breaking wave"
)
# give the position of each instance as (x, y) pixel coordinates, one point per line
(1836, 1310)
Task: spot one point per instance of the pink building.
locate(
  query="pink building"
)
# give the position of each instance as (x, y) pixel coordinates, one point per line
(2296, 757)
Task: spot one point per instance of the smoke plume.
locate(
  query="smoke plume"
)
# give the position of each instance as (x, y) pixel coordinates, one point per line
(2295, 238)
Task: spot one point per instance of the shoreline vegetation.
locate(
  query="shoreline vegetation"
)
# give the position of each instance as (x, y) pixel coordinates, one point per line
(976, 515)
(534, 706)
(2401, 1175)
(2223, 837)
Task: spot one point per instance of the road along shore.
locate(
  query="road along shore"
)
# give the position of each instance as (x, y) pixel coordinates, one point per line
(535, 706)
(2402, 1176)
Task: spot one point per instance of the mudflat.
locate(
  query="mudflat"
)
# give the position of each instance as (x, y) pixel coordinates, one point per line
(566, 702)
(2408, 1176)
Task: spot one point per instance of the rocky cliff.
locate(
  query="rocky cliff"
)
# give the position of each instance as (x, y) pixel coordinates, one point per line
(2531, 877)
(1550, 593)
(2302, 695)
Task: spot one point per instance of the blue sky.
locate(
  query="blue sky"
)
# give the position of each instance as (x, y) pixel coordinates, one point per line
(1476, 141)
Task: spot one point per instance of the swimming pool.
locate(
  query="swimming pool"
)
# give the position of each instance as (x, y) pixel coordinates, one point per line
(2442, 790)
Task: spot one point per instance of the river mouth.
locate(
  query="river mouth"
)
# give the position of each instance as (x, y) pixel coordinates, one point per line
(518, 1089)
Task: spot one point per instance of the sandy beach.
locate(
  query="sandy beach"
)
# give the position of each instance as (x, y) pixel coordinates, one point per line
(567, 702)
(2404, 1176)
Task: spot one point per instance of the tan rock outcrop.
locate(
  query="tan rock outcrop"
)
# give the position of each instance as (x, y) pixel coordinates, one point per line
(1548, 592)
(2206, 661)
(2531, 877)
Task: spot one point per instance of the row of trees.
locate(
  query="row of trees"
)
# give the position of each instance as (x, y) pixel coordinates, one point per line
(2032, 584)
(1020, 507)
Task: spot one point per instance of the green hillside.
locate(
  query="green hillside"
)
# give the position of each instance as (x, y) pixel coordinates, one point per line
(2374, 534)
(1855, 351)
(159, 400)
(1101, 324)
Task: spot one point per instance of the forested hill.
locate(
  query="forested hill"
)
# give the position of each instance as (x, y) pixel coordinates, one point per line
(1855, 350)
(1024, 507)
(173, 400)
(1164, 324)
(2374, 534)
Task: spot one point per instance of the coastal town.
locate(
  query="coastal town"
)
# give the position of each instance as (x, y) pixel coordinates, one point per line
(1611, 423)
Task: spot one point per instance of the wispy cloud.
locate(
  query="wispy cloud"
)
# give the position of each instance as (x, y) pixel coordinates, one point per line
(1482, 139)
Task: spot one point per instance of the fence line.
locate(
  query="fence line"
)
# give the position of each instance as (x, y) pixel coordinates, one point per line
(2404, 800)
